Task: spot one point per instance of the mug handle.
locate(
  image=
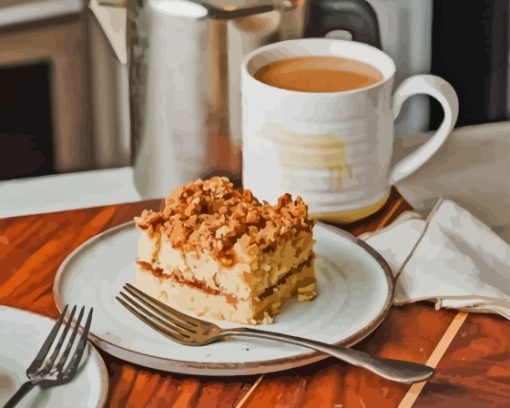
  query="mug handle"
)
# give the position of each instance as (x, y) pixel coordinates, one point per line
(439, 89)
(356, 16)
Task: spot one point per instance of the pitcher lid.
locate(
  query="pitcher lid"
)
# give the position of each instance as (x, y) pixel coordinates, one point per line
(225, 9)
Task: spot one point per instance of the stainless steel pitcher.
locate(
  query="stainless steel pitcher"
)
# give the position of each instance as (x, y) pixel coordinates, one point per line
(184, 76)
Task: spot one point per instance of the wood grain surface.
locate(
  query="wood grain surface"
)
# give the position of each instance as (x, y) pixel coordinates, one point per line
(474, 371)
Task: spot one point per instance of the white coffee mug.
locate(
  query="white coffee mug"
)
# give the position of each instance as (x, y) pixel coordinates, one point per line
(332, 148)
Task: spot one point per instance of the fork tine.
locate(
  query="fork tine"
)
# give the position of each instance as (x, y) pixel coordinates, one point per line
(149, 302)
(78, 353)
(49, 363)
(155, 316)
(69, 345)
(184, 317)
(45, 348)
(162, 329)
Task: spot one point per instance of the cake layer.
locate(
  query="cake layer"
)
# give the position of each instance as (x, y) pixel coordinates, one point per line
(211, 303)
(245, 279)
(218, 251)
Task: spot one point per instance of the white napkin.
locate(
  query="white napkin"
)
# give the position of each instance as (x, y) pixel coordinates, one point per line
(471, 168)
(451, 258)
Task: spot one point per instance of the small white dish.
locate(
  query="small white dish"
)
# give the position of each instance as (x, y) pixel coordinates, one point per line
(354, 284)
(22, 334)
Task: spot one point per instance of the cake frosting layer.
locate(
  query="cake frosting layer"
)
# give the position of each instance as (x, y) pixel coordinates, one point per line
(229, 224)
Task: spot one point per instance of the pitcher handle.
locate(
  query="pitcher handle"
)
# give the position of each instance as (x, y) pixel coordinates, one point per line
(439, 89)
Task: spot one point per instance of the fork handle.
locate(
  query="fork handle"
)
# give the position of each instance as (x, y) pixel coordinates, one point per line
(22, 391)
(394, 370)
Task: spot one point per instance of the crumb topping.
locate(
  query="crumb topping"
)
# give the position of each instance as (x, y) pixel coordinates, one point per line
(230, 224)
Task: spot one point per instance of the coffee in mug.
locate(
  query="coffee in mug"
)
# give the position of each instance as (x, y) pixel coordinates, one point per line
(319, 74)
(318, 122)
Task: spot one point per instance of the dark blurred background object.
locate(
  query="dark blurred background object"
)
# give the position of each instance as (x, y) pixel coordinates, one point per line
(470, 49)
(44, 88)
(25, 89)
(62, 107)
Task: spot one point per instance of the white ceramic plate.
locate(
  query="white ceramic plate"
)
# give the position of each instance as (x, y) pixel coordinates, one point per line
(22, 333)
(355, 289)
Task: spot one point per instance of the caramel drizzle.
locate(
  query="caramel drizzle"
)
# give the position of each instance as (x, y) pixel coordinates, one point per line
(158, 272)
(269, 291)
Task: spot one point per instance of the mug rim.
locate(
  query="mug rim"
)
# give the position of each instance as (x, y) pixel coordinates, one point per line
(281, 44)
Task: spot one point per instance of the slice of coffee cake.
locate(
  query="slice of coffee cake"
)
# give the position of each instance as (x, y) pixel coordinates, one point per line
(219, 252)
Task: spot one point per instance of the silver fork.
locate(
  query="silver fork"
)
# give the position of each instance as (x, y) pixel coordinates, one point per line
(43, 371)
(195, 332)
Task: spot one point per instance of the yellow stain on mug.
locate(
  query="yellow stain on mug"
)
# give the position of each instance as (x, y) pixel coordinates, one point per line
(346, 217)
(310, 151)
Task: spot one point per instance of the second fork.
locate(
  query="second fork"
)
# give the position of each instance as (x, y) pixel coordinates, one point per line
(50, 366)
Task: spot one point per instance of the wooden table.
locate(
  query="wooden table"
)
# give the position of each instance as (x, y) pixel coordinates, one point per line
(471, 352)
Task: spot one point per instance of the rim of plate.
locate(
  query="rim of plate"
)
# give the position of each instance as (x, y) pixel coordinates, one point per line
(231, 369)
(103, 372)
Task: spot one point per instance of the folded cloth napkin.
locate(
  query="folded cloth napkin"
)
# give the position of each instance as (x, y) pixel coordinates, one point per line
(450, 257)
